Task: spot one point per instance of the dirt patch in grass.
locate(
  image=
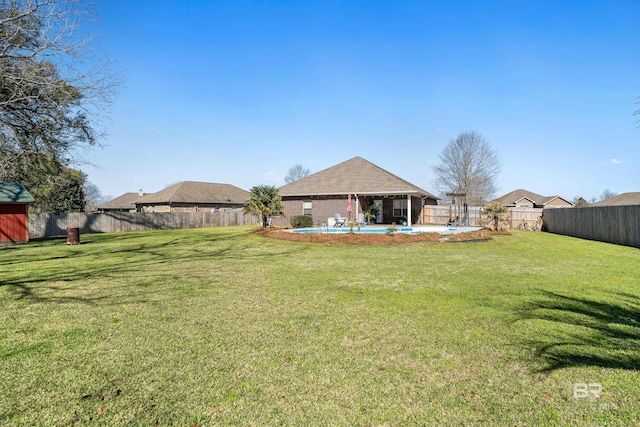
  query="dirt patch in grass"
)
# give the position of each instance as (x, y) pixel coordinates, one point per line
(376, 239)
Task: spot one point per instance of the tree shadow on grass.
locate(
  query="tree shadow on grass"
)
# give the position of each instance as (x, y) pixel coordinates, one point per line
(567, 331)
(94, 244)
(56, 270)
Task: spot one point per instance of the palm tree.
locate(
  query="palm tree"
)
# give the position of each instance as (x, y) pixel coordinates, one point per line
(371, 212)
(495, 211)
(265, 200)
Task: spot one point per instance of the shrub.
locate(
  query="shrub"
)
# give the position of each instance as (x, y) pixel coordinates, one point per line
(301, 221)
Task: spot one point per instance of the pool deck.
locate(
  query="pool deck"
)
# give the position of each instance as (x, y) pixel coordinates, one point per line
(382, 228)
(444, 229)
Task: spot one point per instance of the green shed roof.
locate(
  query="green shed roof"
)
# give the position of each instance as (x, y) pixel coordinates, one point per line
(14, 192)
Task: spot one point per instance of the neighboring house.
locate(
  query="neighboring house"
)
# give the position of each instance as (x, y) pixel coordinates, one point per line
(190, 196)
(14, 207)
(526, 199)
(124, 203)
(325, 193)
(620, 200)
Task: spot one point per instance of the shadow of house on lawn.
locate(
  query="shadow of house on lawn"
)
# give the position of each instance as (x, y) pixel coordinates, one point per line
(571, 332)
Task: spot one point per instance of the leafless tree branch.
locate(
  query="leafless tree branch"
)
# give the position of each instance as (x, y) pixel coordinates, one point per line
(468, 165)
(53, 93)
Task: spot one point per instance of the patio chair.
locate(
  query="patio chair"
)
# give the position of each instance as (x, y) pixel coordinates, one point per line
(339, 222)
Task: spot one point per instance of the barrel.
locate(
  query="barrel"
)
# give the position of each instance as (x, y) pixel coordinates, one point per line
(73, 235)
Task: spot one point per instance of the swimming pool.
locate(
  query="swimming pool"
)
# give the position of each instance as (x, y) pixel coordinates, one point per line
(441, 229)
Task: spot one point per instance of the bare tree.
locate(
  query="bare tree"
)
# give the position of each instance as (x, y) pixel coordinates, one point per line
(468, 165)
(52, 92)
(93, 196)
(295, 173)
(607, 194)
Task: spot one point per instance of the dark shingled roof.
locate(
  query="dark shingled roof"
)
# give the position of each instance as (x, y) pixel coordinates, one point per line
(354, 176)
(14, 192)
(621, 200)
(126, 201)
(510, 199)
(192, 192)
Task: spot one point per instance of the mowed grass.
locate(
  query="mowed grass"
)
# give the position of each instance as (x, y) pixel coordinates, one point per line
(223, 327)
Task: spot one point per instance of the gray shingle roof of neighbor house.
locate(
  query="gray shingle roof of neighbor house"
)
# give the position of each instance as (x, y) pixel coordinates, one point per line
(510, 199)
(14, 192)
(621, 200)
(354, 176)
(126, 201)
(197, 193)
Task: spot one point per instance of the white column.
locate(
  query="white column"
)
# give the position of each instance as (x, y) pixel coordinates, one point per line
(409, 210)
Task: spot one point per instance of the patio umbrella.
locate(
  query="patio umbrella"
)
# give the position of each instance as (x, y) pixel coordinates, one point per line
(349, 208)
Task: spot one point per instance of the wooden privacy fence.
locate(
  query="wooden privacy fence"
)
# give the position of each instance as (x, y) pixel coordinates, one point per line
(441, 214)
(612, 224)
(525, 218)
(48, 225)
(528, 218)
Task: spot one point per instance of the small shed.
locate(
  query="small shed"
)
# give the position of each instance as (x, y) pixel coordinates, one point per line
(14, 206)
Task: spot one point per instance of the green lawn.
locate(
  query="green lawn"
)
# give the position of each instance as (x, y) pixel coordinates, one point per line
(223, 327)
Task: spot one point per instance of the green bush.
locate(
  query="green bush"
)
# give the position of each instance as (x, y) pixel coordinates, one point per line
(301, 221)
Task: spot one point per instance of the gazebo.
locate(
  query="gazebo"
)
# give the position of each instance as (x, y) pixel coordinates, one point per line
(459, 201)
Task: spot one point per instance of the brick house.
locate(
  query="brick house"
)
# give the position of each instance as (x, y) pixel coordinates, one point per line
(623, 199)
(124, 203)
(527, 199)
(14, 207)
(325, 193)
(191, 196)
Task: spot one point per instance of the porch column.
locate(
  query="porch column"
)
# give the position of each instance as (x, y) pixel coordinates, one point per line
(409, 210)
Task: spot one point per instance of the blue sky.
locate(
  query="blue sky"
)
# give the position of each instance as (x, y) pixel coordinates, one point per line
(239, 91)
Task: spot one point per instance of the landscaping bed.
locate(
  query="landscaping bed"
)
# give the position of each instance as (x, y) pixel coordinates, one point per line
(376, 238)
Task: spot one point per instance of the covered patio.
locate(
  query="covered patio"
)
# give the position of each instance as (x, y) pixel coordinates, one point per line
(326, 193)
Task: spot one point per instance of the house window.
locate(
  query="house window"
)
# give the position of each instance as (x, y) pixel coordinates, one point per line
(306, 207)
(400, 208)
